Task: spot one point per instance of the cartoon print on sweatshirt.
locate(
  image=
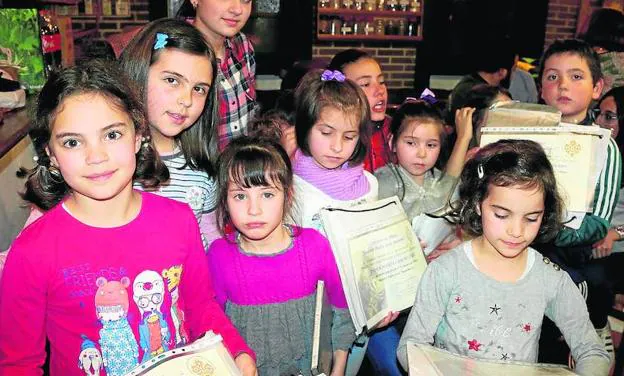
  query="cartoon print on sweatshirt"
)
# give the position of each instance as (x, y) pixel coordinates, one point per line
(120, 352)
(172, 275)
(149, 292)
(89, 360)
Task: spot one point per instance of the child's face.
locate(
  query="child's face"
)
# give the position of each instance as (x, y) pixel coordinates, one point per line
(256, 212)
(608, 117)
(567, 84)
(418, 148)
(219, 19)
(367, 74)
(333, 138)
(511, 218)
(93, 144)
(177, 89)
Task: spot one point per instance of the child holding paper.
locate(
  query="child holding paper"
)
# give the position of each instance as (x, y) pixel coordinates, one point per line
(487, 298)
(267, 271)
(571, 79)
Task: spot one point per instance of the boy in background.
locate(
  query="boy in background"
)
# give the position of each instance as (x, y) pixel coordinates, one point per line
(571, 79)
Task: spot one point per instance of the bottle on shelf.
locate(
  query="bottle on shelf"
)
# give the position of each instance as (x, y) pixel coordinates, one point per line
(88, 7)
(347, 27)
(323, 3)
(404, 5)
(324, 25)
(370, 5)
(392, 5)
(415, 6)
(50, 41)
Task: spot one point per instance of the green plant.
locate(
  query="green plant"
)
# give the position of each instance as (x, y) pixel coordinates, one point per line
(20, 34)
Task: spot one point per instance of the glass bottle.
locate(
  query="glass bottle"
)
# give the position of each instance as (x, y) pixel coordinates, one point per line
(323, 3)
(347, 27)
(371, 5)
(380, 27)
(390, 28)
(50, 41)
(415, 6)
(404, 5)
(324, 25)
(392, 5)
(359, 4)
(347, 4)
(336, 24)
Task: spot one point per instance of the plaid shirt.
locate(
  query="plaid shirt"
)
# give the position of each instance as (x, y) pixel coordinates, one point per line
(237, 88)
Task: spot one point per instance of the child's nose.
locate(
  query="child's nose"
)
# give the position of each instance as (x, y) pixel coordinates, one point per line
(254, 207)
(236, 7)
(336, 144)
(515, 228)
(96, 154)
(421, 152)
(185, 99)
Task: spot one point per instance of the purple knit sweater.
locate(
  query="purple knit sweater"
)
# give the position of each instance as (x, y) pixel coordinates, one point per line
(246, 279)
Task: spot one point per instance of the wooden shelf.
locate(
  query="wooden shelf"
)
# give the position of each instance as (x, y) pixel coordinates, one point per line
(376, 13)
(375, 37)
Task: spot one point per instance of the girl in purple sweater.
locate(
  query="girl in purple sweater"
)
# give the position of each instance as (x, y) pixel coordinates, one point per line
(266, 271)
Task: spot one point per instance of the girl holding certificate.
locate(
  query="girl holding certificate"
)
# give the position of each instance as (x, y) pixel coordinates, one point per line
(267, 271)
(487, 298)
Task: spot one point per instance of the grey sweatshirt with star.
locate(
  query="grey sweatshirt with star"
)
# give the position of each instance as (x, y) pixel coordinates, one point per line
(462, 310)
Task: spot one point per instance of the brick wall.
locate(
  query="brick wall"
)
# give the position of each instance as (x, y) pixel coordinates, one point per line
(562, 20)
(397, 61)
(139, 15)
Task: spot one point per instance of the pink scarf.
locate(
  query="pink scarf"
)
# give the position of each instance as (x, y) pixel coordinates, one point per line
(343, 183)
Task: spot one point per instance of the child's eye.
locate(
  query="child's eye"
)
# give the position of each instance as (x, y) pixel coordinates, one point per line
(432, 145)
(349, 138)
(365, 84)
(500, 216)
(325, 133)
(239, 196)
(577, 77)
(113, 135)
(410, 143)
(71, 143)
(551, 77)
(529, 219)
(201, 90)
(268, 195)
(171, 80)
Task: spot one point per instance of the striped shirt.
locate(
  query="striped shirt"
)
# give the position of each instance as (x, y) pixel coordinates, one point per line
(596, 224)
(193, 187)
(237, 88)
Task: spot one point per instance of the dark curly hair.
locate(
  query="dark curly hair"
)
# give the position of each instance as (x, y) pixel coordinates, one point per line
(508, 163)
(44, 188)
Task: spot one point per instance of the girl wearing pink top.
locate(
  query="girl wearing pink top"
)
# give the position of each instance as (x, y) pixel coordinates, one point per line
(98, 274)
(266, 272)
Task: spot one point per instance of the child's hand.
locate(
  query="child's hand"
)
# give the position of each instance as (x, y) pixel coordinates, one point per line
(246, 365)
(289, 140)
(390, 317)
(604, 247)
(443, 248)
(463, 123)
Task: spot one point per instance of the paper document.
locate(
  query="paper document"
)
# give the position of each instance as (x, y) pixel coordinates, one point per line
(379, 258)
(426, 360)
(206, 356)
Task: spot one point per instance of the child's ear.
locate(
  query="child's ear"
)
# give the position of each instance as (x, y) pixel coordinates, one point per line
(391, 143)
(137, 143)
(53, 161)
(597, 90)
(478, 208)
